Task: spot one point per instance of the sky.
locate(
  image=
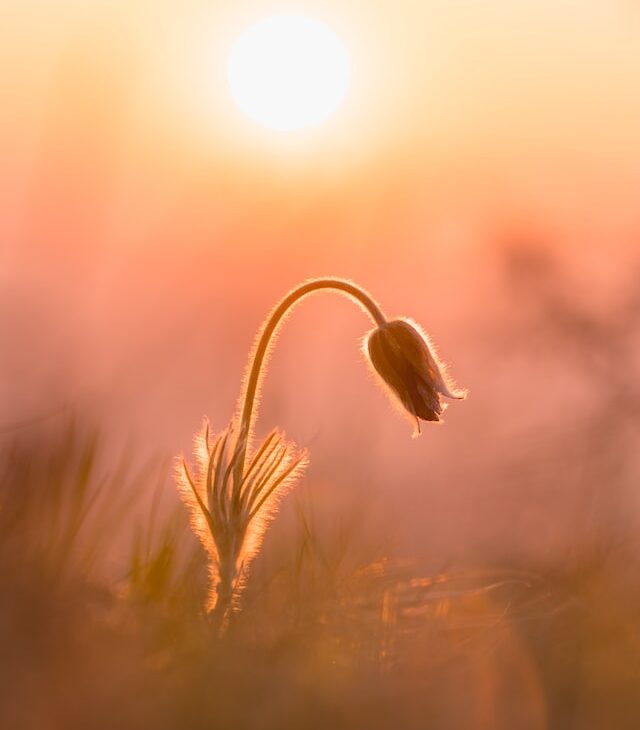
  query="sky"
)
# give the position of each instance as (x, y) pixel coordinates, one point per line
(147, 226)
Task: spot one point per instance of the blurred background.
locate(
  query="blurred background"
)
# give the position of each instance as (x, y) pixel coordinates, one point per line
(482, 177)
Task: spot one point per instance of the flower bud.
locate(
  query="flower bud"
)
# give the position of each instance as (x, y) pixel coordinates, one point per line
(406, 362)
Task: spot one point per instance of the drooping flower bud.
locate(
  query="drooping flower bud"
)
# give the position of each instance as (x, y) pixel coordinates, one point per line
(406, 362)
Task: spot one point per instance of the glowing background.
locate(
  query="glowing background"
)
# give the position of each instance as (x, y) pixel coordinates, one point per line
(146, 228)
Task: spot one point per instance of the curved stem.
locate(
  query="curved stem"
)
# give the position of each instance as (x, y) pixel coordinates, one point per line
(269, 329)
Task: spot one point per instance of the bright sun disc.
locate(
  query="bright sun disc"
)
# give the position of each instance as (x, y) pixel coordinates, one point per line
(288, 72)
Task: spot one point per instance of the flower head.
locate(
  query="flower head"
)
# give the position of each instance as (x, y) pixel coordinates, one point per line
(406, 362)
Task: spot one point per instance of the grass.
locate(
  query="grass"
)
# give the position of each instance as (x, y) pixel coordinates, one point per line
(335, 629)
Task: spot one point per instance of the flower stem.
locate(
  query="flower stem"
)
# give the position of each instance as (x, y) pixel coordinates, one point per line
(271, 325)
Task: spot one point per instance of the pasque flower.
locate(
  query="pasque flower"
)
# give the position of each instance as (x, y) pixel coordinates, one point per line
(407, 364)
(234, 490)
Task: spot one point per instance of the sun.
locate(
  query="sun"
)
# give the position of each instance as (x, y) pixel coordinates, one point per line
(288, 72)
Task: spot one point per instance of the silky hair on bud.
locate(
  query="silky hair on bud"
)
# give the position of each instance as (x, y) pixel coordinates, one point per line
(406, 363)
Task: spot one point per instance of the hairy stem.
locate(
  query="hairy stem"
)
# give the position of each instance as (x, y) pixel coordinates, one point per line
(222, 609)
(269, 329)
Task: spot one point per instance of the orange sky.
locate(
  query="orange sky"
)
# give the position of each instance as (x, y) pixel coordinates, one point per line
(462, 106)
